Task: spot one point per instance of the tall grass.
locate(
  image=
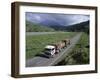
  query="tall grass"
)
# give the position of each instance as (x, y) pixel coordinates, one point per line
(81, 51)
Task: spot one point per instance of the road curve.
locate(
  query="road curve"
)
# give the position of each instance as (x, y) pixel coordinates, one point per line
(45, 61)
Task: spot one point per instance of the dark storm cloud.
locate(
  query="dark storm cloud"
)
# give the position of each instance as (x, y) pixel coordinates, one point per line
(56, 19)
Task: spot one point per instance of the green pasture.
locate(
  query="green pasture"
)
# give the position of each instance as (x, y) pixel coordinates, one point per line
(35, 43)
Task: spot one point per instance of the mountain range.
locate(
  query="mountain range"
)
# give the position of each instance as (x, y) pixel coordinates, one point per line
(58, 21)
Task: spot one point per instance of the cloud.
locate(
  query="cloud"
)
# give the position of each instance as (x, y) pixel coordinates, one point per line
(56, 19)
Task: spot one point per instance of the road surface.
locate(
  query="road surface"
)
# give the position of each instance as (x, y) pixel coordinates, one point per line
(42, 60)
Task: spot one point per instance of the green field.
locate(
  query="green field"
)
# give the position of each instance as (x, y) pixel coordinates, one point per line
(80, 53)
(35, 43)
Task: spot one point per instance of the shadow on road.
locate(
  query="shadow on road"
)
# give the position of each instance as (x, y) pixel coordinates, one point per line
(43, 55)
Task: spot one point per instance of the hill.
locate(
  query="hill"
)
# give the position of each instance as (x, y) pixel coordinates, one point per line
(81, 27)
(31, 27)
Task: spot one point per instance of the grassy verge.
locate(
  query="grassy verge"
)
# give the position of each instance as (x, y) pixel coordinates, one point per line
(80, 53)
(36, 43)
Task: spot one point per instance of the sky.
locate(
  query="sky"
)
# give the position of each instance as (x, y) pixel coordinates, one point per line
(52, 19)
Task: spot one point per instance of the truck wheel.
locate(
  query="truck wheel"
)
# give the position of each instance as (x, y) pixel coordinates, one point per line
(52, 56)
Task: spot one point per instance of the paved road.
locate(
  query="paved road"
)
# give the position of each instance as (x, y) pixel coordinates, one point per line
(43, 60)
(41, 33)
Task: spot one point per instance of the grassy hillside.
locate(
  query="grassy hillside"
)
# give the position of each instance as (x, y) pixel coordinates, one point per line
(80, 27)
(30, 27)
(36, 43)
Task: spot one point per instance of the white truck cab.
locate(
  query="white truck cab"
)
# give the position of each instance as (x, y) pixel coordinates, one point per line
(50, 50)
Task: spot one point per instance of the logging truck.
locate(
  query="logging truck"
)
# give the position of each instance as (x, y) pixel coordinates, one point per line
(55, 48)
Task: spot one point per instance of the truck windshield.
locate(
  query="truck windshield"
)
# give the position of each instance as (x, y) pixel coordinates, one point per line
(47, 49)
